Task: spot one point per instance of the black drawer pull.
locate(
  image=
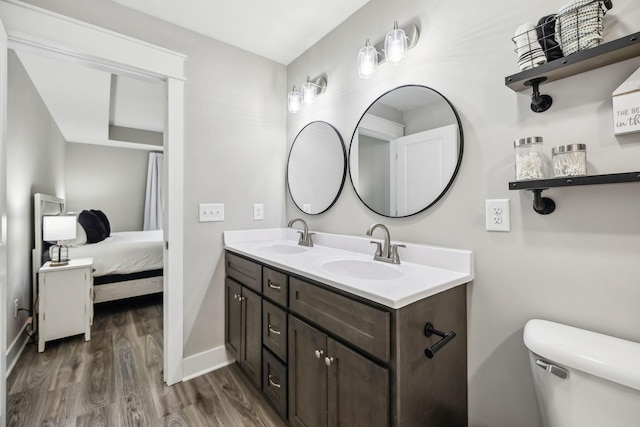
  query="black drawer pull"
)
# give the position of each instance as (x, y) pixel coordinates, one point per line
(446, 337)
(273, 285)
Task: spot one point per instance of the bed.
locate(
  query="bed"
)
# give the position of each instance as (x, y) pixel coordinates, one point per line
(126, 264)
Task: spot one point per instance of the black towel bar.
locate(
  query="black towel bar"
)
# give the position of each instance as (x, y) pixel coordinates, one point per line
(446, 337)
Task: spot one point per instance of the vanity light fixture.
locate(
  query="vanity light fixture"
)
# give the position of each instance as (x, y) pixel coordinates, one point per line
(312, 88)
(294, 101)
(307, 95)
(395, 44)
(367, 61)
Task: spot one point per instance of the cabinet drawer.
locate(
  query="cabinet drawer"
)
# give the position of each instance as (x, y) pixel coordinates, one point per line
(244, 271)
(274, 382)
(275, 285)
(362, 325)
(274, 329)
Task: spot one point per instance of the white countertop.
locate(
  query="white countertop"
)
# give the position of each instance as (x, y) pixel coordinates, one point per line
(424, 270)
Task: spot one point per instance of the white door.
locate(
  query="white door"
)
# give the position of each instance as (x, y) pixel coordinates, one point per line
(3, 225)
(421, 166)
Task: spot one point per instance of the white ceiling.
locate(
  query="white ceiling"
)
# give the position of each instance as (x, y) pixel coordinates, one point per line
(280, 30)
(84, 102)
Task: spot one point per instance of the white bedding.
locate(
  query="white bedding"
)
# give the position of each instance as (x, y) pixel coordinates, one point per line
(123, 252)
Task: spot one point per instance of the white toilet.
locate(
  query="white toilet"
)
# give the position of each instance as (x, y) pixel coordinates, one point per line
(583, 378)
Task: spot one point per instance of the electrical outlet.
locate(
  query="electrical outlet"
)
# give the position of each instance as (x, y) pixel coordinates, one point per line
(211, 212)
(258, 211)
(16, 302)
(497, 216)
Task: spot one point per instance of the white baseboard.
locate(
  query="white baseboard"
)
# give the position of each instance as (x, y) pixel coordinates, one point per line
(16, 348)
(207, 361)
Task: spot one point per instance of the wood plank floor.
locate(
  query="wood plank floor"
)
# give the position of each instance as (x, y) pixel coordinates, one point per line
(115, 380)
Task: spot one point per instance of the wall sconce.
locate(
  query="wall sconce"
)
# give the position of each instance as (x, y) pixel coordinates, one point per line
(395, 44)
(307, 95)
(294, 101)
(367, 61)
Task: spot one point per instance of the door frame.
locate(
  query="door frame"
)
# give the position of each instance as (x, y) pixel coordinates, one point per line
(3, 224)
(48, 33)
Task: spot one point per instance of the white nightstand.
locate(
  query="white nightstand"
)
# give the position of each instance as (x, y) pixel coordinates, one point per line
(65, 305)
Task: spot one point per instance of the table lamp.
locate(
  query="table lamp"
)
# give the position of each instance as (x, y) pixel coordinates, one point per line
(56, 229)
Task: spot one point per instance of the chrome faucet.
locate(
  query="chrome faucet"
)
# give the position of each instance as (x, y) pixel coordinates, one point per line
(388, 252)
(305, 236)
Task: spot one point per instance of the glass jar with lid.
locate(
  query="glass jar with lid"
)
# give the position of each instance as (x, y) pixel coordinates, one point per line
(569, 160)
(529, 157)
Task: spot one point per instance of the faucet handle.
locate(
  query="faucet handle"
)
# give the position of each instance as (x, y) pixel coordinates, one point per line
(395, 258)
(378, 248)
(305, 239)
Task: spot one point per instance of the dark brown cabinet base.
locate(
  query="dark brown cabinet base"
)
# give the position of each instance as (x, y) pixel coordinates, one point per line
(243, 328)
(325, 358)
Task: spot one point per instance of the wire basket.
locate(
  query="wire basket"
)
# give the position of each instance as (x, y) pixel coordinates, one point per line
(577, 26)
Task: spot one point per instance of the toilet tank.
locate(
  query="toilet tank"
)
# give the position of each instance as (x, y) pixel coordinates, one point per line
(583, 378)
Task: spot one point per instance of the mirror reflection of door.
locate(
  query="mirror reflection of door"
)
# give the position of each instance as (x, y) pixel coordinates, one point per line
(420, 167)
(405, 151)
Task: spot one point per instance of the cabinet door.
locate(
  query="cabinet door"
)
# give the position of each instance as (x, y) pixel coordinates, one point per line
(357, 389)
(307, 375)
(251, 342)
(64, 298)
(233, 317)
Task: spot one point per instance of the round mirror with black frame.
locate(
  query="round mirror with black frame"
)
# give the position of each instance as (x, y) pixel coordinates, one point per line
(405, 151)
(316, 168)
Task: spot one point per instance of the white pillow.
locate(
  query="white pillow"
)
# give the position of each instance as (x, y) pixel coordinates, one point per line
(81, 237)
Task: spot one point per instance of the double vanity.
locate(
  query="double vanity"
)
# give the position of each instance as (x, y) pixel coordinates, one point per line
(333, 337)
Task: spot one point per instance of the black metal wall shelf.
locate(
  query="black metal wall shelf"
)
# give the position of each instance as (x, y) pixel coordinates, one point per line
(544, 205)
(585, 60)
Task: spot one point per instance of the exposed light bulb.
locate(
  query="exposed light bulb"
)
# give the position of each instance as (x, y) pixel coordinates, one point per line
(395, 45)
(294, 101)
(367, 61)
(308, 92)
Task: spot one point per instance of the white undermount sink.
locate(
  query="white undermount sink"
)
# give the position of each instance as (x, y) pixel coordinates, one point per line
(283, 249)
(363, 269)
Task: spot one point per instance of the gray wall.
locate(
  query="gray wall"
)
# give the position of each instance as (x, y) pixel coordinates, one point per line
(35, 164)
(235, 150)
(586, 263)
(578, 265)
(111, 179)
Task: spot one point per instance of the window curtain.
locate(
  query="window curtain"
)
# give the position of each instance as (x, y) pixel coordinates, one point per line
(153, 215)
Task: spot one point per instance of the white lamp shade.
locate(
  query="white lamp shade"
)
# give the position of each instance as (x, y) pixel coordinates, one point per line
(367, 61)
(294, 101)
(61, 227)
(395, 45)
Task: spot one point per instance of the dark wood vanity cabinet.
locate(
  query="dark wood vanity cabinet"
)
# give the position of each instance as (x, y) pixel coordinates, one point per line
(324, 357)
(243, 315)
(331, 385)
(243, 332)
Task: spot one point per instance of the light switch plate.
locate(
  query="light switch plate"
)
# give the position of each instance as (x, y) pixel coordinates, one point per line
(209, 212)
(497, 215)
